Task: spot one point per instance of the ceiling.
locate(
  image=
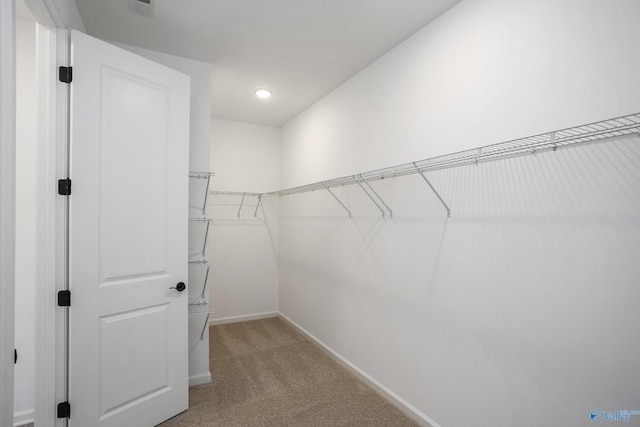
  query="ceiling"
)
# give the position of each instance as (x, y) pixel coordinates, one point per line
(299, 49)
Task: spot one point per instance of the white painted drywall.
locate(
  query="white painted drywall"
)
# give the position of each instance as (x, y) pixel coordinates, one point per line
(24, 385)
(245, 156)
(200, 131)
(521, 309)
(243, 249)
(484, 72)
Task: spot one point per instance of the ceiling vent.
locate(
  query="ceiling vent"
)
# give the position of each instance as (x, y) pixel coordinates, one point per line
(141, 7)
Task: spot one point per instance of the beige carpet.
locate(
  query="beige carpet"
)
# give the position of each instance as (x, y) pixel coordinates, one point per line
(264, 373)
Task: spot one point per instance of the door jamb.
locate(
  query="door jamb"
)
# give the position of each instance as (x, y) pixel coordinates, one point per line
(7, 207)
(52, 139)
(51, 160)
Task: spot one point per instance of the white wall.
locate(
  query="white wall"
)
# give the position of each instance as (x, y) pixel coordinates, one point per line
(200, 128)
(245, 157)
(25, 221)
(485, 72)
(243, 250)
(521, 308)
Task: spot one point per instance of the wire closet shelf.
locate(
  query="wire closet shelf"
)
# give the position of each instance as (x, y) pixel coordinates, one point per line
(619, 127)
(199, 315)
(199, 189)
(242, 195)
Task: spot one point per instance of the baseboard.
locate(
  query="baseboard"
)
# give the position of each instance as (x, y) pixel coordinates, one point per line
(24, 417)
(200, 379)
(404, 406)
(244, 318)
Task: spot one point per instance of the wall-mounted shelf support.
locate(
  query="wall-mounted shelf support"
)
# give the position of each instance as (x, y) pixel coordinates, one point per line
(433, 189)
(255, 213)
(194, 235)
(198, 276)
(204, 327)
(366, 182)
(369, 195)
(245, 201)
(241, 203)
(199, 311)
(200, 180)
(338, 200)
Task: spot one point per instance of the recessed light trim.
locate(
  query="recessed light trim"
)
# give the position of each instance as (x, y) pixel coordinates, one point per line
(263, 93)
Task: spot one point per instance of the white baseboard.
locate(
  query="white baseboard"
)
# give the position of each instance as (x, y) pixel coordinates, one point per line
(244, 318)
(200, 379)
(404, 406)
(24, 417)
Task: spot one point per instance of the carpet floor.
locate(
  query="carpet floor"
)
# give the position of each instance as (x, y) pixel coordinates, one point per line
(265, 373)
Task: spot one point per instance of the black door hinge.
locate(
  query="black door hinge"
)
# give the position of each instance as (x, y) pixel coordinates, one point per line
(64, 410)
(65, 74)
(64, 187)
(15, 356)
(64, 299)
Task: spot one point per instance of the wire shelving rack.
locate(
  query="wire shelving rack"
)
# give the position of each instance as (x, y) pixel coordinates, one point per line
(601, 131)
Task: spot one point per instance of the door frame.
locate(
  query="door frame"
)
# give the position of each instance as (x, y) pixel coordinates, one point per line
(52, 137)
(52, 119)
(7, 207)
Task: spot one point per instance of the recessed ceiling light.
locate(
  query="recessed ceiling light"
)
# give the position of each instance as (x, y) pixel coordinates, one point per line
(263, 93)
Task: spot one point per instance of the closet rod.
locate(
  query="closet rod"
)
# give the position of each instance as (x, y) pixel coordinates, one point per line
(619, 127)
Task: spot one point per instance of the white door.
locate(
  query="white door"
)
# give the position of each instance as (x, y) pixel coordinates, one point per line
(128, 355)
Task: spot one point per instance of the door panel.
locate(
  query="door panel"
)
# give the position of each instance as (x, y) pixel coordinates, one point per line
(128, 357)
(121, 388)
(133, 110)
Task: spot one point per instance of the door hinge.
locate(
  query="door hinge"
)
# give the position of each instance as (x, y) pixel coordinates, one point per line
(65, 74)
(64, 187)
(64, 299)
(15, 356)
(64, 410)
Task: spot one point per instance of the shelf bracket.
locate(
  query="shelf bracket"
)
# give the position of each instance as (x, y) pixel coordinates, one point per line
(241, 203)
(369, 195)
(204, 286)
(255, 213)
(206, 236)
(336, 197)
(204, 328)
(206, 194)
(433, 189)
(378, 196)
